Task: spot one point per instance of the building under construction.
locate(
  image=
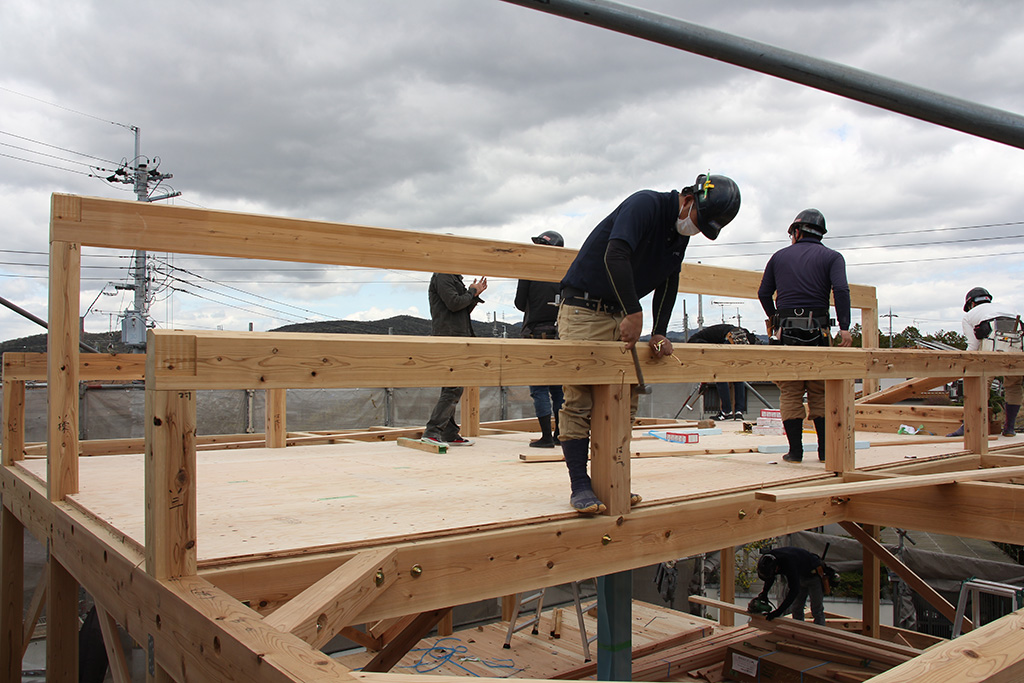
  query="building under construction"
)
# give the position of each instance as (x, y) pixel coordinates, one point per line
(237, 557)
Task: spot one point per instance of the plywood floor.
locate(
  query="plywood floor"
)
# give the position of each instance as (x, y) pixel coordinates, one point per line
(257, 502)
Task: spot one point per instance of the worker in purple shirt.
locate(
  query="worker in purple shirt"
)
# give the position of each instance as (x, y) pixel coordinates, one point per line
(795, 290)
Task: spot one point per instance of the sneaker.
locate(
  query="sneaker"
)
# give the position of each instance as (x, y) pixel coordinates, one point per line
(792, 458)
(721, 416)
(459, 441)
(737, 415)
(435, 441)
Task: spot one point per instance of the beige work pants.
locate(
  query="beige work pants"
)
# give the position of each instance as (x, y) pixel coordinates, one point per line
(791, 401)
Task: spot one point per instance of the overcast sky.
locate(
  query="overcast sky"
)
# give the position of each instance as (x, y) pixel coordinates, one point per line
(485, 119)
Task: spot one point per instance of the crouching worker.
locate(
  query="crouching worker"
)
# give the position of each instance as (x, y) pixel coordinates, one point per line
(806, 576)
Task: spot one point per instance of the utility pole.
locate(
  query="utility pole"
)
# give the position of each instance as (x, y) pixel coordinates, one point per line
(723, 304)
(890, 316)
(133, 324)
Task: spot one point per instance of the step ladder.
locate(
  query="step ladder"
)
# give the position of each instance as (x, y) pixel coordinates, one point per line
(522, 604)
(974, 588)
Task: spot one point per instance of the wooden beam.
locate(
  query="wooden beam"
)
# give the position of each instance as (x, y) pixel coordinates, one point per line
(317, 614)
(227, 360)
(880, 552)
(904, 390)
(170, 480)
(993, 653)
(112, 643)
(888, 484)
(406, 640)
(609, 445)
(62, 370)
(488, 564)
(92, 367)
(276, 420)
(972, 509)
(839, 434)
(421, 445)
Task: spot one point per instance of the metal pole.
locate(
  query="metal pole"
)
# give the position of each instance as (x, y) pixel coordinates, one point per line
(42, 323)
(855, 84)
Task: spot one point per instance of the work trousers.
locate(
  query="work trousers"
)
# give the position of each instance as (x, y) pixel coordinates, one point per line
(583, 324)
(1013, 390)
(441, 424)
(791, 398)
(812, 588)
(546, 400)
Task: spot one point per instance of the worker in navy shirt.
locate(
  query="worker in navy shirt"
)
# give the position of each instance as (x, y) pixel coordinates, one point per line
(806, 577)
(803, 277)
(636, 250)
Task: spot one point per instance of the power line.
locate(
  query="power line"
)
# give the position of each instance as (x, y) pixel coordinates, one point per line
(61, 106)
(62, 149)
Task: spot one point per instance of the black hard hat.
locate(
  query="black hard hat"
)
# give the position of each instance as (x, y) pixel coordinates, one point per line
(810, 221)
(766, 566)
(718, 202)
(549, 237)
(978, 295)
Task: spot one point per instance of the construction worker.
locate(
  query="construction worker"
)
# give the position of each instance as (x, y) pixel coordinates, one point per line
(451, 302)
(539, 303)
(794, 293)
(637, 249)
(805, 577)
(727, 334)
(991, 328)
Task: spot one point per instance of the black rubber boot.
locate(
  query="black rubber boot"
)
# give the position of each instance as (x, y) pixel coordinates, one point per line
(583, 499)
(819, 427)
(1009, 427)
(795, 434)
(546, 439)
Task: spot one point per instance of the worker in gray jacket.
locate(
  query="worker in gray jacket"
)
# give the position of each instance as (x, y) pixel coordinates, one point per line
(451, 302)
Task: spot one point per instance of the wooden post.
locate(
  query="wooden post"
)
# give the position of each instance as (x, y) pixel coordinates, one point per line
(840, 453)
(14, 421)
(508, 605)
(12, 559)
(727, 585)
(276, 420)
(609, 446)
(62, 371)
(470, 412)
(869, 340)
(872, 581)
(61, 625)
(170, 483)
(976, 414)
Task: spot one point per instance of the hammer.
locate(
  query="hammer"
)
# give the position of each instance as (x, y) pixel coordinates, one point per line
(643, 388)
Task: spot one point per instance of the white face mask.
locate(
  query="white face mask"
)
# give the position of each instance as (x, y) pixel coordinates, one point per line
(686, 227)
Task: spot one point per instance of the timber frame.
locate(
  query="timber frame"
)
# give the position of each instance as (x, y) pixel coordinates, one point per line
(264, 619)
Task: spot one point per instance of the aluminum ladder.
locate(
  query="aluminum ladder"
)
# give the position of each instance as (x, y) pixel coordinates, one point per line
(534, 621)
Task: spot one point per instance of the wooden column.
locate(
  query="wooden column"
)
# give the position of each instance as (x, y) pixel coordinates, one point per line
(12, 578)
(62, 371)
(170, 483)
(869, 336)
(609, 446)
(470, 412)
(727, 585)
(61, 625)
(614, 625)
(976, 414)
(14, 421)
(276, 417)
(840, 454)
(872, 581)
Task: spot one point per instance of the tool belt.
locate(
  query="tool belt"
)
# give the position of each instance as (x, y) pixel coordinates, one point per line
(576, 297)
(541, 331)
(803, 327)
(1000, 334)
